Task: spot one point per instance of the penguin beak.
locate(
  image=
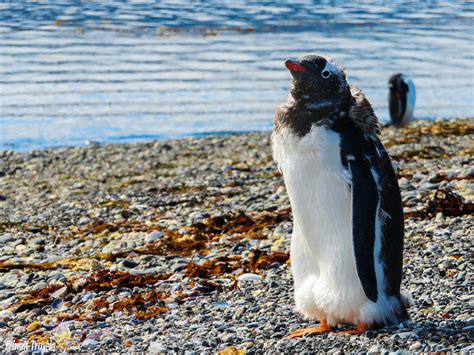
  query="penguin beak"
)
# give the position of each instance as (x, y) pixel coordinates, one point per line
(295, 67)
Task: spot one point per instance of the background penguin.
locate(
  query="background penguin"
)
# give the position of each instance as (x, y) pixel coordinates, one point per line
(401, 99)
(347, 240)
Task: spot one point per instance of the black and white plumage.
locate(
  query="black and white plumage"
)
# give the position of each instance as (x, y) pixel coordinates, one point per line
(347, 239)
(401, 99)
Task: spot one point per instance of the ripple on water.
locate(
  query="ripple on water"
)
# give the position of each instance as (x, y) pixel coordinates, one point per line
(120, 79)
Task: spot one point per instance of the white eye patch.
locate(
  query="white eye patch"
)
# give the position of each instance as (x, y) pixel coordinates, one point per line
(326, 74)
(330, 67)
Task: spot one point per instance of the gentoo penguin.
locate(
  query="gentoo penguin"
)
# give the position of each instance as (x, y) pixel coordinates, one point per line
(401, 99)
(347, 241)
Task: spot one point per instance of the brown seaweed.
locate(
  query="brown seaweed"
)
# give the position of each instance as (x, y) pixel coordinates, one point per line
(260, 260)
(446, 202)
(446, 129)
(139, 300)
(236, 224)
(213, 267)
(104, 280)
(257, 260)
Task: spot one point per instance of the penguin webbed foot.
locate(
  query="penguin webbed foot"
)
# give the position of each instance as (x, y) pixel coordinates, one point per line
(322, 329)
(361, 329)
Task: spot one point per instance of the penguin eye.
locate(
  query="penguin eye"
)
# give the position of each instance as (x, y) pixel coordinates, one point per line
(326, 74)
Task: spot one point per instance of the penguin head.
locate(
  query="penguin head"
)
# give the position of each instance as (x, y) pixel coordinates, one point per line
(317, 79)
(401, 99)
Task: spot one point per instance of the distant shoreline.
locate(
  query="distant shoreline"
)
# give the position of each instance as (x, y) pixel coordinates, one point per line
(202, 135)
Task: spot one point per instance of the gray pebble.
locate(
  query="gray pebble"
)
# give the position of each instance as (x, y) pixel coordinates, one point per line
(415, 346)
(469, 329)
(5, 238)
(252, 325)
(153, 236)
(157, 347)
(172, 316)
(129, 263)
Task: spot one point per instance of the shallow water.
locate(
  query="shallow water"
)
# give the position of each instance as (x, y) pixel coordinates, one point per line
(120, 72)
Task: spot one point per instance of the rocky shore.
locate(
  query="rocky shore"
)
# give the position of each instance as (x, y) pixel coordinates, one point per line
(183, 246)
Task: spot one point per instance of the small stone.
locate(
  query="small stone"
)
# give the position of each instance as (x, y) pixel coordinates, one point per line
(448, 264)
(156, 347)
(226, 338)
(58, 304)
(469, 322)
(56, 276)
(370, 334)
(374, 349)
(252, 325)
(89, 343)
(37, 241)
(6, 315)
(249, 277)
(83, 220)
(87, 297)
(33, 229)
(415, 346)
(37, 312)
(165, 147)
(274, 284)
(153, 236)
(33, 326)
(439, 217)
(5, 238)
(150, 270)
(172, 317)
(129, 263)
(468, 350)
(469, 329)
(59, 293)
(179, 265)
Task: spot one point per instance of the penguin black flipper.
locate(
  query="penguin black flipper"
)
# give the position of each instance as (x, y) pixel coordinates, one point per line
(356, 155)
(391, 223)
(365, 201)
(376, 208)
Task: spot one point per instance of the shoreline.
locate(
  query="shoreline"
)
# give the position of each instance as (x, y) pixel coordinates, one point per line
(183, 245)
(203, 135)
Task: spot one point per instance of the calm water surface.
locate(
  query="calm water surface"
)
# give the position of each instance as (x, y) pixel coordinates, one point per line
(79, 71)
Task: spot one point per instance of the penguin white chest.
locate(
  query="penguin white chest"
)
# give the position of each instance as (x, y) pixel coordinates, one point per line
(323, 263)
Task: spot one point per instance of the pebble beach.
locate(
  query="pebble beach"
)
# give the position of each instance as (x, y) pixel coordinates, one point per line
(183, 246)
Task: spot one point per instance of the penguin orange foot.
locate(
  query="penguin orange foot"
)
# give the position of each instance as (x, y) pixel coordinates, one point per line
(361, 329)
(322, 329)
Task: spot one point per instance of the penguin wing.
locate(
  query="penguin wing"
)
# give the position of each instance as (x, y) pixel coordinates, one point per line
(395, 107)
(391, 224)
(365, 205)
(377, 212)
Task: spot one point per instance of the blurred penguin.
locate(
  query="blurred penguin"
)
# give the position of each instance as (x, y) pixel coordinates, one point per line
(401, 99)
